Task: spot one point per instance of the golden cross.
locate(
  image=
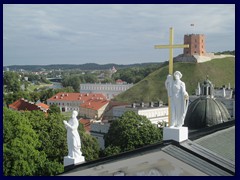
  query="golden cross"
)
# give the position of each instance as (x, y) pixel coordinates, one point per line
(170, 46)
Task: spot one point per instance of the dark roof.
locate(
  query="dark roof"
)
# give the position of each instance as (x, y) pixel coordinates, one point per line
(190, 152)
(205, 112)
(220, 142)
(191, 156)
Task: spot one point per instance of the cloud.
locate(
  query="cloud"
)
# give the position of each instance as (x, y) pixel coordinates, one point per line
(108, 33)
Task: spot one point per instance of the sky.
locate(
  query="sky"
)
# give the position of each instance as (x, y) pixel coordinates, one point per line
(42, 34)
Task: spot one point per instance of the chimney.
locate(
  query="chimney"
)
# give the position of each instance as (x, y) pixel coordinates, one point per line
(150, 104)
(133, 105)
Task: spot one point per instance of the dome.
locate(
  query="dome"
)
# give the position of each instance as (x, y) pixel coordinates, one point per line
(205, 112)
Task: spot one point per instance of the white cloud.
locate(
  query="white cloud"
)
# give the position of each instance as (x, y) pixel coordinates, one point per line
(104, 32)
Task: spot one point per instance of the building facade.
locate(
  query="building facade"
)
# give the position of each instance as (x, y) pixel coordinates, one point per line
(196, 45)
(109, 90)
(155, 114)
(93, 108)
(98, 130)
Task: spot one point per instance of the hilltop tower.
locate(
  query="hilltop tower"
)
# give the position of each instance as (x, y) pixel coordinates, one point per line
(196, 44)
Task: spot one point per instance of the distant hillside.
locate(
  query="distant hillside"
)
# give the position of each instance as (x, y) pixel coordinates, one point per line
(152, 88)
(226, 52)
(87, 66)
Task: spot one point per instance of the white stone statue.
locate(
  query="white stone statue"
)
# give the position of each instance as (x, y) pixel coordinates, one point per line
(178, 99)
(73, 138)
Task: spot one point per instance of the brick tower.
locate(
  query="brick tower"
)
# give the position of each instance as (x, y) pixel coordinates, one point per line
(196, 44)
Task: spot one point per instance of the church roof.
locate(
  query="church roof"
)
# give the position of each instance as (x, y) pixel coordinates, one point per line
(205, 112)
(167, 158)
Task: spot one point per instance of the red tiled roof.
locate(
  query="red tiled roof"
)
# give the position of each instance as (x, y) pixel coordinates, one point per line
(44, 106)
(86, 124)
(76, 96)
(23, 105)
(119, 81)
(94, 104)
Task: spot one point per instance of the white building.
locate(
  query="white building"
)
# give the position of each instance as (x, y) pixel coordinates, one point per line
(109, 90)
(155, 113)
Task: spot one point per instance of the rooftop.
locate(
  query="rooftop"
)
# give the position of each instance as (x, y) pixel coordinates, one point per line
(76, 96)
(167, 158)
(23, 105)
(94, 104)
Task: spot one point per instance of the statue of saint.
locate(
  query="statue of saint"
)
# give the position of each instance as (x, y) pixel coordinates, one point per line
(178, 99)
(73, 138)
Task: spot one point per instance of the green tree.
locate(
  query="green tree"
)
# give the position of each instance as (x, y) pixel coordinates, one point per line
(90, 78)
(111, 150)
(90, 147)
(20, 143)
(51, 132)
(73, 81)
(54, 109)
(132, 131)
(11, 80)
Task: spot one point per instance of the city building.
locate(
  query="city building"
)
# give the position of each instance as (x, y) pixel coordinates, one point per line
(109, 90)
(25, 105)
(93, 108)
(98, 130)
(72, 101)
(155, 112)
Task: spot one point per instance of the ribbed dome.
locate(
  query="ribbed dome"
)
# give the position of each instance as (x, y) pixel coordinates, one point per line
(205, 112)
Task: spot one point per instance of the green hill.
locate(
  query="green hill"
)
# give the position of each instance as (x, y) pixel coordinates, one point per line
(152, 88)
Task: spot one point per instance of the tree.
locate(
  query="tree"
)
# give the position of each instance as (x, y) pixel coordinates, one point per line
(90, 147)
(51, 132)
(20, 143)
(132, 131)
(54, 109)
(73, 81)
(111, 150)
(11, 80)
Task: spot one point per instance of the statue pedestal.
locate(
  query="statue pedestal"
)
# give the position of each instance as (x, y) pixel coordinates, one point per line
(70, 161)
(178, 134)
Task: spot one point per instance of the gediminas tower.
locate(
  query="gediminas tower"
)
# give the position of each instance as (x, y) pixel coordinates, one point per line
(196, 44)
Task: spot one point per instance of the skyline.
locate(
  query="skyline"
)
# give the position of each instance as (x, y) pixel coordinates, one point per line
(107, 33)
